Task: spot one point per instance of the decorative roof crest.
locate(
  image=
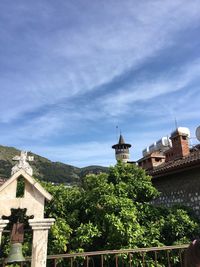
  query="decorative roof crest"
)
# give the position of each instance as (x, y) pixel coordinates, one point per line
(23, 164)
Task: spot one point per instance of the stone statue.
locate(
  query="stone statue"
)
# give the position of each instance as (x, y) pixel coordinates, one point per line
(23, 164)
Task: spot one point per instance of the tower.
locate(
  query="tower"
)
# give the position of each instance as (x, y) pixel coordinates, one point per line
(122, 150)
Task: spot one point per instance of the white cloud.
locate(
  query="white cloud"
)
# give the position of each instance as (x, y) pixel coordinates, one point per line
(69, 119)
(120, 102)
(71, 62)
(56, 60)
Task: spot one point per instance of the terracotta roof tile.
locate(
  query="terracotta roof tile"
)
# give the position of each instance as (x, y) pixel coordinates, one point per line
(190, 160)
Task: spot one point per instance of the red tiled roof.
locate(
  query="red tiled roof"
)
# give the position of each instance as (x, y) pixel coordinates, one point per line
(191, 160)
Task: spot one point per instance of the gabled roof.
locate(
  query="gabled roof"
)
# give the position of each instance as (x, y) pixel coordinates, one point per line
(28, 178)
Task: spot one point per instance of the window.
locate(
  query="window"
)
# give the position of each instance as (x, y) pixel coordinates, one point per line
(20, 187)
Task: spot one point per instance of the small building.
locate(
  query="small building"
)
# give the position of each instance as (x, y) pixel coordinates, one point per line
(176, 171)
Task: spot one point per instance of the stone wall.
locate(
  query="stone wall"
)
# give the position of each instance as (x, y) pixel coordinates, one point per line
(180, 188)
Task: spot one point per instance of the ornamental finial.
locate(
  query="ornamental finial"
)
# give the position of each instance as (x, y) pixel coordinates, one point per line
(23, 164)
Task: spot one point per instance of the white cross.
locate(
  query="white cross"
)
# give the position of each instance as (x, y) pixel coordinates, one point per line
(23, 164)
(23, 157)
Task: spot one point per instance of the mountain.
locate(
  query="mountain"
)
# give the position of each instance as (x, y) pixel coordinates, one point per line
(45, 169)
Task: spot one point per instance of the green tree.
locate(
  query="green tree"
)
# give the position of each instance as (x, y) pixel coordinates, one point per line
(113, 210)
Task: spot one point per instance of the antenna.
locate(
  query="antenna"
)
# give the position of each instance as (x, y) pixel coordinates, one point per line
(117, 132)
(176, 124)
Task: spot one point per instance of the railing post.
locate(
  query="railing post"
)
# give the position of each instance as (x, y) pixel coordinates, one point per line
(54, 262)
(116, 261)
(71, 262)
(101, 260)
(168, 259)
(155, 258)
(143, 261)
(181, 260)
(130, 259)
(87, 261)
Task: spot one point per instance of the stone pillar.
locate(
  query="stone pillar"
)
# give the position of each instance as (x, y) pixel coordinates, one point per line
(3, 224)
(40, 238)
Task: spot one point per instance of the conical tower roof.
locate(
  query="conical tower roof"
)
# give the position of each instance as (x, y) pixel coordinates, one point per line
(121, 142)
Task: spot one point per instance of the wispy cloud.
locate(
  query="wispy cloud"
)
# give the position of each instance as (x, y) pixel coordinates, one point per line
(148, 89)
(74, 69)
(82, 56)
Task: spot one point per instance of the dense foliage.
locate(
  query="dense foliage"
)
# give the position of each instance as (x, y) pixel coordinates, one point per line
(109, 211)
(112, 211)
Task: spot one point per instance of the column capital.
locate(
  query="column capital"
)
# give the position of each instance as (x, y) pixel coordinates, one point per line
(3, 224)
(41, 224)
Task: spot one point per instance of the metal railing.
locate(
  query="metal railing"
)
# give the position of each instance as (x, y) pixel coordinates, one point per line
(167, 256)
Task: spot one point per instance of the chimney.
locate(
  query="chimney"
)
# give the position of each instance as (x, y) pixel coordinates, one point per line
(180, 142)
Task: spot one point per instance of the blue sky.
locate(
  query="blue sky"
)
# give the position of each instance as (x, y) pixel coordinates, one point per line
(71, 70)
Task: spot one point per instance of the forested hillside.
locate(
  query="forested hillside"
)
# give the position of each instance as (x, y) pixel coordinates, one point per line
(45, 169)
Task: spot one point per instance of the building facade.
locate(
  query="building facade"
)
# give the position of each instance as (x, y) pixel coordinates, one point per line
(175, 171)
